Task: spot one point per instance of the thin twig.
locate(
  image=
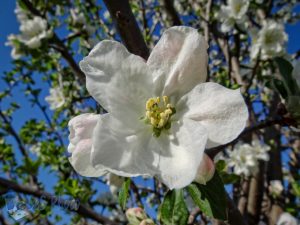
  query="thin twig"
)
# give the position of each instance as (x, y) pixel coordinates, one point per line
(82, 209)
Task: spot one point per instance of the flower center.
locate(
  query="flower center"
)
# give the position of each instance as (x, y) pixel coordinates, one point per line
(269, 38)
(158, 114)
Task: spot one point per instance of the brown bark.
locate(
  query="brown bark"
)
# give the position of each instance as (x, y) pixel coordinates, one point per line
(127, 27)
(82, 210)
(171, 12)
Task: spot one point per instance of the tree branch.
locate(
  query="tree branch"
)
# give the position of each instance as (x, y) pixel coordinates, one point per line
(127, 27)
(60, 47)
(234, 215)
(82, 210)
(171, 12)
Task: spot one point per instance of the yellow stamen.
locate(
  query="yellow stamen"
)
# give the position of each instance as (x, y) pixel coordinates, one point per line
(158, 114)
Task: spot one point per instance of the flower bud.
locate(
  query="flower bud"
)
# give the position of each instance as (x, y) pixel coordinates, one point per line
(135, 216)
(205, 171)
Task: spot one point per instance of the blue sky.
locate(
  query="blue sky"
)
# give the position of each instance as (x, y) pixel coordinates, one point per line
(9, 24)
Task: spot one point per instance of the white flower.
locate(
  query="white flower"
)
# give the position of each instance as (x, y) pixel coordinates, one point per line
(182, 116)
(270, 41)
(114, 182)
(275, 187)
(233, 13)
(36, 148)
(33, 31)
(286, 219)
(56, 98)
(244, 158)
(260, 151)
(16, 52)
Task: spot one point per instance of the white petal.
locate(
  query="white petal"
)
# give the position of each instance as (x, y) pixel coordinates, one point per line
(80, 160)
(81, 131)
(227, 25)
(120, 81)
(82, 127)
(181, 152)
(124, 152)
(179, 59)
(220, 110)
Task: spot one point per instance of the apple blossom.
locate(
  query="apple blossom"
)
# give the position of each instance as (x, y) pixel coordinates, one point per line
(161, 113)
(13, 40)
(275, 187)
(233, 13)
(56, 98)
(269, 41)
(244, 158)
(36, 148)
(33, 31)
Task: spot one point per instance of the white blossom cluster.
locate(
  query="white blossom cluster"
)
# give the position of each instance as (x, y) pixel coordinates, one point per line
(245, 157)
(276, 188)
(32, 31)
(233, 13)
(269, 41)
(56, 98)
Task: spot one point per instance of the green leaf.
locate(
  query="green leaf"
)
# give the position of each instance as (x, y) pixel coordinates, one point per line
(286, 69)
(210, 198)
(173, 210)
(220, 165)
(124, 193)
(296, 188)
(229, 178)
(280, 87)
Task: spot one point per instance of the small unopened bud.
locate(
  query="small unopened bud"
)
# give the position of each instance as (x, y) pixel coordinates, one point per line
(147, 222)
(206, 170)
(135, 216)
